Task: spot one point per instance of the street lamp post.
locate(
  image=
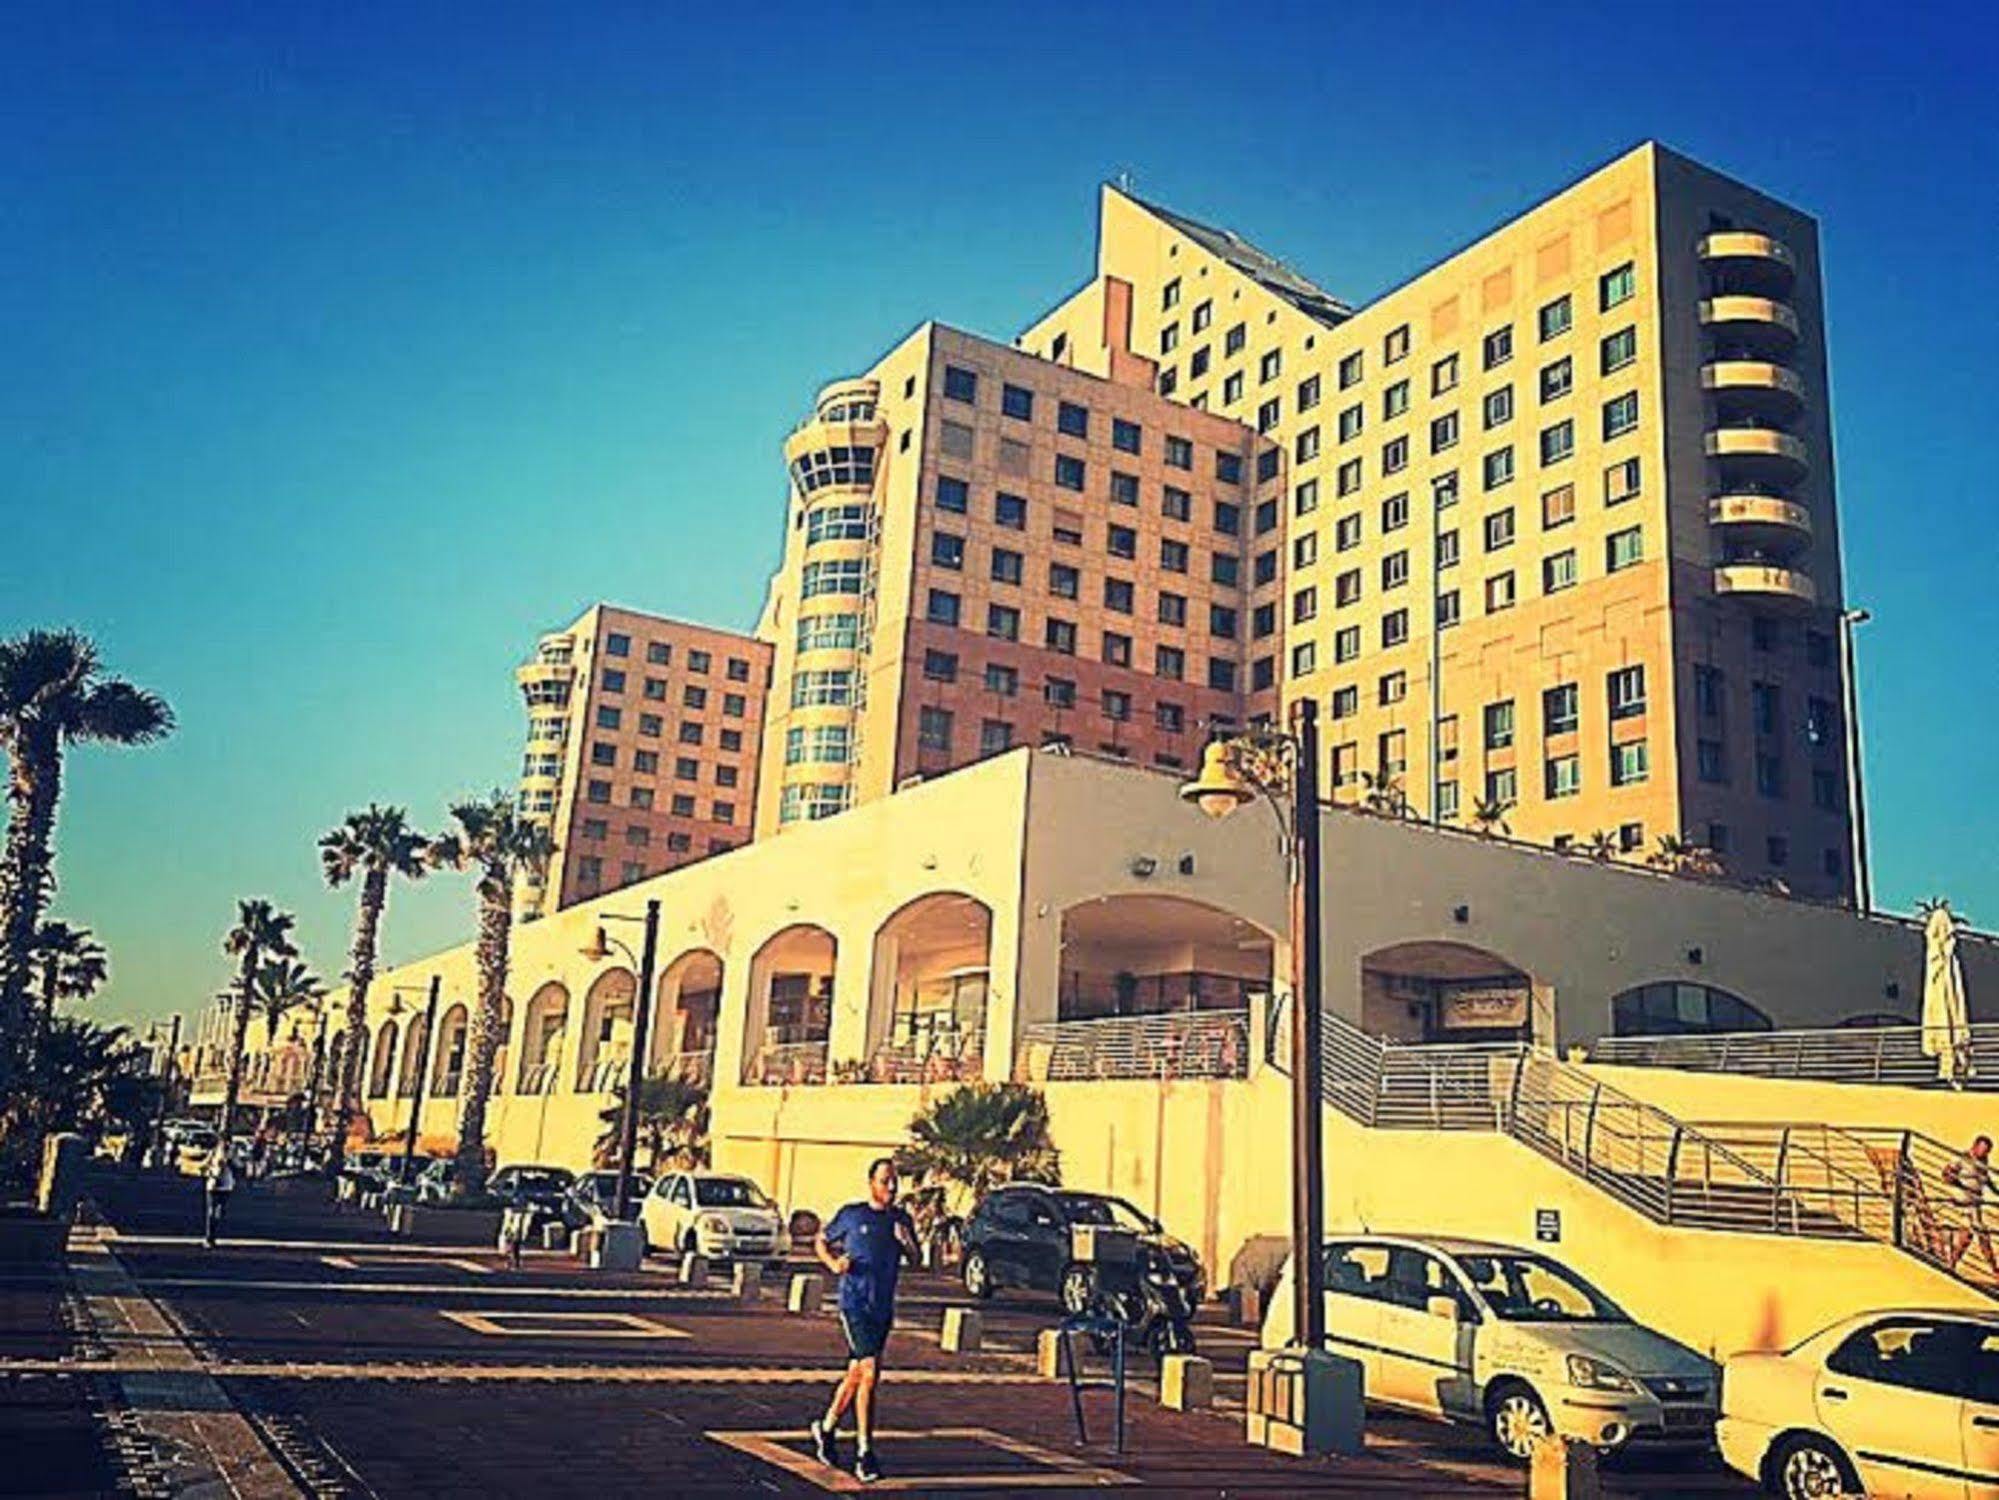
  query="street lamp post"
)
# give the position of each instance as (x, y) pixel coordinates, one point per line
(628, 1126)
(422, 1071)
(314, 1078)
(1856, 793)
(1235, 770)
(167, 1081)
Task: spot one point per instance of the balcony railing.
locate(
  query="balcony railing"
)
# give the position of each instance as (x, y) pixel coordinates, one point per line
(941, 1058)
(1178, 1044)
(785, 1063)
(538, 1079)
(1838, 1054)
(691, 1067)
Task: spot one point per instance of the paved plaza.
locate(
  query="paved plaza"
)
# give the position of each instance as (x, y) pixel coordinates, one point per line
(313, 1354)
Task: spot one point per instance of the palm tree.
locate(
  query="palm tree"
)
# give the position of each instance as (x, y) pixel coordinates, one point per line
(283, 985)
(1488, 816)
(970, 1140)
(1682, 856)
(501, 846)
(673, 1123)
(371, 845)
(261, 932)
(1601, 845)
(72, 963)
(51, 696)
(1384, 794)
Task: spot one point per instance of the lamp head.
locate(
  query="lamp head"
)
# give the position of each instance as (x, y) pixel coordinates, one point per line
(599, 947)
(1219, 790)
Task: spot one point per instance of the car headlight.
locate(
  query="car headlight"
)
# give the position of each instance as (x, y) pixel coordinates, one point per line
(713, 1224)
(1597, 1375)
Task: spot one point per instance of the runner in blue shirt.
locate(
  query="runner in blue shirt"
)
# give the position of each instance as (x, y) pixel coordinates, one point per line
(864, 1245)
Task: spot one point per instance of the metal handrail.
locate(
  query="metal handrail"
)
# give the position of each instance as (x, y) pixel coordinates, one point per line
(1169, 1045)
(936, 1058)
(693, 1067)
(786, 1063)
(1834, 1054)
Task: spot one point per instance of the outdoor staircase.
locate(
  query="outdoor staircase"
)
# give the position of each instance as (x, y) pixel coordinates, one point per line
(1813, 1180)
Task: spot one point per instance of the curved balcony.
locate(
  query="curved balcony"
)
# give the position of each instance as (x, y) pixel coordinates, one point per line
(1760, 324)
(1765, 523)
(545, 684)
(1754, 387)
(1747, 256)
(1762, 454)
(1766, 584)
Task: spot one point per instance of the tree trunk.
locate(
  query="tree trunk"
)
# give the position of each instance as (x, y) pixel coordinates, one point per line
(238, 1032)
(495, 931)
(360, 974)
(33, 786)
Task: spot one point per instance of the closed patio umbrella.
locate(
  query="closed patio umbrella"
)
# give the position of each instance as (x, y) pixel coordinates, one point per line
(1946, 1023)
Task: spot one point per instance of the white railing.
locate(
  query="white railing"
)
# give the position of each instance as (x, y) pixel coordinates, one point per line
(1838, 1054)
(787, 1063)
(1177, 1044)
(538, 1078)
(941, 1058)
(691, 1067)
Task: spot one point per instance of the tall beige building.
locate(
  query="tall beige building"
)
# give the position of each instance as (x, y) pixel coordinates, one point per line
(641, 754)
(1558, 548)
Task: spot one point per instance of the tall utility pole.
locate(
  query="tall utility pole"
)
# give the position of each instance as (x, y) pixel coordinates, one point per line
(628, 1139)
(422, 1072)
(1856, 791)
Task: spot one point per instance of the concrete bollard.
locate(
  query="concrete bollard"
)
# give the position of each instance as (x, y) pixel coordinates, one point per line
(807, 1292)
(693, 1271)
(746, 1284)
(1245, 1307)
(1186, 1383)
(964, 1330)
(402, 1218)
(65, 1154)
(555, 1236)
(1563, 1469)
(1048, 1354)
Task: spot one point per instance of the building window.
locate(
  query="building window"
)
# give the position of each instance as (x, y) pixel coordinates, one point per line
(1232, 388)
(1228, 518)
(1170, 717)
(1564, 776)
(608, 717)
(1173, 556)
(995, 737)
(1117, 649)
(1444, 490)
(614, 680)
(1499, 725)
(1499, 529)
(1557, 379)
(1069, 472)
(953, 494)
(1617, 350)
(1395, 512)
(1625, 689)
(1629, 763)
(1017, 401)
(1118, 595)
(658, 653)
(641, 796)
(1498, 347)
(960, 385)
(603, 755)
(690, 732)
(1497, 408)
(1558, 571)
(1395, 570)
(1350, 369)
(1304, 659)
(1345, 702)
(933, 731)
(650, 725)
(1176, 504)
(1557, 443)
(1556, 318)
(1498, 468)
(1502, 787)
(1447, 799)
(844, 575)
(1395, 345)
(1305, 550)
(1620, 415)
(1395, 400)
(1308, 393)
(1444, 375)
(1007, 566)
(1778, 849)
(1447, 550)
(1712, 761)
(1002, 680)
(1063, 580)
(1346, 588)
(1221, 674)
(1819, 721)
(1392, 688)
(1558, 507)
(1169, 662)
(1620, 482)
(1561, 709)
(1308, 445)
(1121, 541)
(942, 608)
(1769, 774)
(1267, 415)
(1235, 338)
(1002, 622)
(1395, 455)
(1346, 643)
(1617, 286)
(1060, 692)
(1179, 453)
(1225, 570)
(946, 551)
(1351, 420)
(1624, 548)
(1499, 593)
(1707, 690)
(1124, 488)
(1395, 628)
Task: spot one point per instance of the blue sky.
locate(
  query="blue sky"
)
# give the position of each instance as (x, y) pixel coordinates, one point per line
(350, 346)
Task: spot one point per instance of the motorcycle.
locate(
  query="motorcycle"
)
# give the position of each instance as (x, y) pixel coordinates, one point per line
(1149, 1301)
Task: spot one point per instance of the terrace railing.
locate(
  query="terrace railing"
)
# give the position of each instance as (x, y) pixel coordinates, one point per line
(1838, 1054)
(1177, 1044)
(945, 1057)
(692, 1067)
(787, 1063)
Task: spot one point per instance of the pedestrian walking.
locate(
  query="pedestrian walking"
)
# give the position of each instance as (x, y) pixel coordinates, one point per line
(864, 1244)
(221, 1182)
(1970, 1178)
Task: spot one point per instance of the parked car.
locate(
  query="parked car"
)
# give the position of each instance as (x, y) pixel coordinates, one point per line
(591, 1198)
(723, 1216)
(1020, 1236)
(1902, 1402)
(543, 1189)
(1508, 1339)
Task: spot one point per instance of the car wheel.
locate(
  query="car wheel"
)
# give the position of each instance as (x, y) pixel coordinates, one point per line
(1517, 1419)
(1078, 1290)
(978, 1278)
(1807, 1468)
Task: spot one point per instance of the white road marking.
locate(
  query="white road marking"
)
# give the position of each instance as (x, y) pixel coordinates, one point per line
(568, 1325)
(818, 1375)
(1057, 1470)
(365, 1262)
(431, 1289)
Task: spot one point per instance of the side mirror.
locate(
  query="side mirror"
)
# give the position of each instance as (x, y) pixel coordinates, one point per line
(1442, 1307)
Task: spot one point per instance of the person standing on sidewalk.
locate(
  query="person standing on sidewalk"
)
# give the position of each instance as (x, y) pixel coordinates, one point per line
(864, 1245)
(220, 1183)
(1969, 1178)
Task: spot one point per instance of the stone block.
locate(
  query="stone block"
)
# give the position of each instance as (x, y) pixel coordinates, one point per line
(1186, 1382)
(555, 1236)
(693, 1271)
(746, 1282)
(1048, 1354)
(1305, 1402)
(807, 1292)
(964, 1330)
(615, 1247)
(1245, 1307)
(1563, 1469)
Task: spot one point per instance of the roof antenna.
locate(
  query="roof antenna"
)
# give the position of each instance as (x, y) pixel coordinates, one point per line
(1127, 181)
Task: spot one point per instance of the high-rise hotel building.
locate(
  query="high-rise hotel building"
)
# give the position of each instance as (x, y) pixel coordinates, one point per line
(1558, 546)
(642, 744)
(986, 549)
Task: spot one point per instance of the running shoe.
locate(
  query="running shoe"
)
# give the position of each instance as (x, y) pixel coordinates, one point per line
(825, 1444)
(866, 1469)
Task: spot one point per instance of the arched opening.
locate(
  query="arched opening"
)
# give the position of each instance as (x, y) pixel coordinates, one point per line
(503, 1053)
(414, 1035)
(690, 998)
(791, 1007)
(448, 1073)
(382, 1061)
(927, 1013)
(604, 1042)
(541, 1038)
(1157, 955)
(1675, 1007)
(1444, 992)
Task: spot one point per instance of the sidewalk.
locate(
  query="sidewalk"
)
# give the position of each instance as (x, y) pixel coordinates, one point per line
(52, 1426)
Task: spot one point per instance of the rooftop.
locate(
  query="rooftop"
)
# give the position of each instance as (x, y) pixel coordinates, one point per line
(1265, 269)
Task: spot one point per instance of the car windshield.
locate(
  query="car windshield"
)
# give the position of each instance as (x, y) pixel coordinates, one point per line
(1533, 1289)
(542, 1179)
(728, 1192)
(1088, 1208)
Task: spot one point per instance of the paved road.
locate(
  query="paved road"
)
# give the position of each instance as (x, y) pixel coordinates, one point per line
(315, 1355)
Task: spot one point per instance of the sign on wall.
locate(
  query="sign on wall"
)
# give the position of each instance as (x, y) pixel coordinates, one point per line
(1466, 1007)
(1548, 1225)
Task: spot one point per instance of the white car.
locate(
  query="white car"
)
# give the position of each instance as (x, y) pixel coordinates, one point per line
(1505, 1338)
(1900, 1403)
(724, 1217)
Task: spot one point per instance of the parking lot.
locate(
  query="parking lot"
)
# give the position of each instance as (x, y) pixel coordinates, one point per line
(365, 1366)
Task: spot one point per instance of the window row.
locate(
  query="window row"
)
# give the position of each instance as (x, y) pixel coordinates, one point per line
(680, 804)
(1018, 402)
(735, 705)
(954, 496)
(660, 654)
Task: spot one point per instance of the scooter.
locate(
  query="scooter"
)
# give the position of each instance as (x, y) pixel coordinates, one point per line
(1146, 1298)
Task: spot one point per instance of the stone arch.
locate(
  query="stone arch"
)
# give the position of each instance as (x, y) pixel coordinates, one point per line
(688, 1005)
(454, 1032)
(382, 1060)
(790, 1006)
(604, 1040)
(1682, 1007)
(1446, 991)
(1147, 955)
(927, 989)
(415, 1031)
(542, 1026)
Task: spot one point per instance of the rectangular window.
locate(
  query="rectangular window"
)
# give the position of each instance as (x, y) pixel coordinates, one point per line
(1346, 532)
(1072, 420)
(1270, 366)
(1447, 550)
(1060, 635)
(617, 644)
(1118, 595)
(1124, 488)
(1308, 393)
(1622, 549)
(1010, 511)
(608, 717)
(1558, 507)
(1307, 447)
(1171, 717)
(995, 736)
(1565, 776)
(1003, 622)
(1561, 709)
(940, 666)
(1351, 421)
(1444, 432)
(1060, 692)
(1204, 315)
(1625, 689)
(1176, 504)
(1069, 472)
(1350, 370)
(942, 608)
(1305, 499)
(1620, 415)
(1556, 318)
(1444, 490)
(1347, 479)
(1007, 565)
(1502, 788)
(1117, 705)
(1499, 593)
(1395, 570)
(1498, 407)
(1620, 482)
(1395, 400)
(1617, 286)
(1345, 702)
(1173, 556)
(1169, 338)
(1707, 691)
(1617, 350)
(1017, 401)
(659, 653)
(1267, 415)
(1121, 541)
(1225, 570)
(1629, 763)
(1179, 453)
(1766, 706)
(1498, 347)
(960, 385)
(1169, 662)
(1712, 761)
(1235, 338)
(953, 494)
(1395, 345)
(1558, 571)
(1499, 725)
(1395, 512)
(1117, 649)
(933, 728)
(1557, 443)
(1126, 437)
(1304, 606)
(1392, 688)
(614, 680)
(1304, 659)
(1232, 388)
(1395, 628)
(1305, 550)
(1498, 468)
(1499, 529)
(1221, 674)
(1395, 455)
(1063, 580)
(946, 551)
(1222, 621)
(1449, 611)
(1346, 643)
(1444, 375)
